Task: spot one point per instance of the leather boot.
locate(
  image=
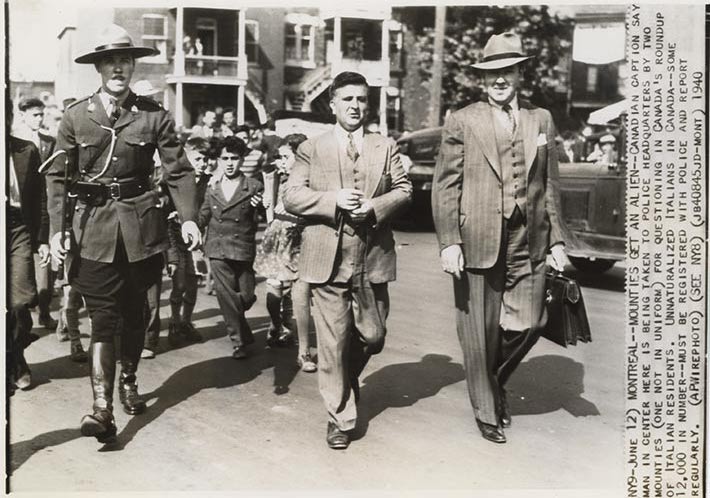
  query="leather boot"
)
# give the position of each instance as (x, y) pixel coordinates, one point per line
(127, 387)
(100, 424)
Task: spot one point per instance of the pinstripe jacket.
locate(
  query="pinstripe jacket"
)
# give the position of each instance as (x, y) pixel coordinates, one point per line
(467, 189)
(311, 192)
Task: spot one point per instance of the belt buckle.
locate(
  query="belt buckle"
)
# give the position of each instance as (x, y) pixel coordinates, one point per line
(114, 190)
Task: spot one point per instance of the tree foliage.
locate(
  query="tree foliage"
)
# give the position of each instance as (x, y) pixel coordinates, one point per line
(546, 36)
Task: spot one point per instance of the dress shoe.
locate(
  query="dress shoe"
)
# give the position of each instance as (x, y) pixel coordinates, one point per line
(77, 353)
(272, 337)
(490, 432)
(100, 425)
(306, 363)
(48, 322)
(147, 354)
(188, 330)
(505, 418)
(337, 439)
(24, 380)
(239, 353)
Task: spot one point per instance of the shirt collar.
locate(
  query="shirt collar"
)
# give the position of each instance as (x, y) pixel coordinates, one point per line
(342, 136)
(106, 99)
(513, 104)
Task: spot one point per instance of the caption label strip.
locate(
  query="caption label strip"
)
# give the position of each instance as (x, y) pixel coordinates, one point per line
(666, 251)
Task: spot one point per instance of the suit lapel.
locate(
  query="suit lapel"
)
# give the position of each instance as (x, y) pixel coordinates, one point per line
(127, 115)
(529, 129)
(373, 162)
(484, 129)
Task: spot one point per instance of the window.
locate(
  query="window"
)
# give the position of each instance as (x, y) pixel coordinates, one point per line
(592, 78)
(252, 40)
(299, 44)
(155, 34)
(395, 50)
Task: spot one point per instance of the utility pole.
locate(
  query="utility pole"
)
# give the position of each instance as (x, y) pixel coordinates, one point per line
(437, 68)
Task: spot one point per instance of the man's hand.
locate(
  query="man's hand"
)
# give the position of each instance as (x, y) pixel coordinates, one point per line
(256, 199)
(349, 198)
(191, 235)
(452, 260)
(559, 257)
(361, 213)
(280, 209)
(55, 245)
(171, 269)
(43, 251)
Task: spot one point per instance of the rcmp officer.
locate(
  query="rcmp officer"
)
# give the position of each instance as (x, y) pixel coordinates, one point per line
(113, 252)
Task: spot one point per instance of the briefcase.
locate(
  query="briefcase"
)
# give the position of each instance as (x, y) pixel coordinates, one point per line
(567, 320)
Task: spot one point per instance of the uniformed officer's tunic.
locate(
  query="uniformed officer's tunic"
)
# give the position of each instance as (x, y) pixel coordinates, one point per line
(117, 245)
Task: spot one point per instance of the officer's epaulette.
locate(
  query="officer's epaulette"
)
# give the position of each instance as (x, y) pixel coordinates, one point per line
(148, 102)
(78, 101)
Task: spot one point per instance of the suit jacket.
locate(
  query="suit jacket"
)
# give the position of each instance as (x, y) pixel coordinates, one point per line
(311, 192)
(33, 194)
(231, 224)
(467, 188)
(143, 127)
(47, 144)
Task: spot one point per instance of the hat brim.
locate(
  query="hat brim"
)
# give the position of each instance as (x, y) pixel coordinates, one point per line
(135, 52)
(500, 63)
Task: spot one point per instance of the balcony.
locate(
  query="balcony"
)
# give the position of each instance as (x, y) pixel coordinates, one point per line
(376, 72)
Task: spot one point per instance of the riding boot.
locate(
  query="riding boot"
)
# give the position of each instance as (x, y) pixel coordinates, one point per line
(132, 346)
(100, 424)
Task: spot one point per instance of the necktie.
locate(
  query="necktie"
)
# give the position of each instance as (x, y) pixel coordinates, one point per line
(114, 110)
(351, 149)
(511, 118)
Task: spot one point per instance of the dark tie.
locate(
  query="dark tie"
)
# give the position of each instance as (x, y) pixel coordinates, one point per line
(511, 119)
(115, 111)
(351, 149)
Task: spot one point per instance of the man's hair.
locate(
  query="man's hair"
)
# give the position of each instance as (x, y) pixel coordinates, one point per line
(199, 144)
(242, 128)
(347, 78)
(293, 140)
(234, 144)
(30, 103)
(229, 109)
(568, 135)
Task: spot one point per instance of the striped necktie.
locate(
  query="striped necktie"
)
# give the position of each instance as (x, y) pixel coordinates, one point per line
(114, 110)
(511, 119)
(351, 150)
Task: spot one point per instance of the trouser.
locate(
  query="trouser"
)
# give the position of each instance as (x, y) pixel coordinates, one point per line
(152, 314)
(22, 293)
(499, 314)
(350, 326)
(45, 287)
(183, 294)
(234, 283)
(69, 313)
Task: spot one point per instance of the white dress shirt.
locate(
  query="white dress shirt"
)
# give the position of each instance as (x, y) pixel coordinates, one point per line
(341, 134)
(502, 116)
(229, 186)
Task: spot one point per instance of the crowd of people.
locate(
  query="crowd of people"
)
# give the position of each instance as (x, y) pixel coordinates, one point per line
(121, 198)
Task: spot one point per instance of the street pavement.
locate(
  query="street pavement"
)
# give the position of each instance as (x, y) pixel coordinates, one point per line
(216, 424)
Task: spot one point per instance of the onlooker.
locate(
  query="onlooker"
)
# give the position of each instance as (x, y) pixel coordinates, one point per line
(277, 259)
(32, 115)
(206, 129)
(228, 122)
(253, 161)
(229, 215)
(570, 150)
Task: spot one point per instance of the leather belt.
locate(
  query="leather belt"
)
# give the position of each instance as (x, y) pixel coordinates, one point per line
(96, 193)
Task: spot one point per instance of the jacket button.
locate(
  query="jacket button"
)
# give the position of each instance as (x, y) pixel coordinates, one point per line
(219, 220)
(498, 210)
(114, 159)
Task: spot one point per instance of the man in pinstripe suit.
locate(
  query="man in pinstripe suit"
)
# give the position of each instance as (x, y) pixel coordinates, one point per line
(495, 201)
(348, 186)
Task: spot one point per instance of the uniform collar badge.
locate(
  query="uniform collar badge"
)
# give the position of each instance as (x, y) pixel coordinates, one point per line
(134, 109)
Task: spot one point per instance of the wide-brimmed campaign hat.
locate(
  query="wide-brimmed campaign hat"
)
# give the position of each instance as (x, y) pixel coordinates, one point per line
(503, 50)
(114, 39)
(144, 88)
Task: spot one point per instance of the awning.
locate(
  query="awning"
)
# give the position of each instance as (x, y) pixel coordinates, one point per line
(599, 44)
(609, 113)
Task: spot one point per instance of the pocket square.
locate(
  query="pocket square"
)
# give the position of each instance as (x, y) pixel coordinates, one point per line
(541, 139)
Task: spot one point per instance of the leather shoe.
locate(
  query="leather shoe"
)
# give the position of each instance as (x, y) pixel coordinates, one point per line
(190, 333)
(239, 353)
(505, 417)
(77, 354)
(490, 432)
(130, 399)
(47, 322)
(100, 425)
(337, 439)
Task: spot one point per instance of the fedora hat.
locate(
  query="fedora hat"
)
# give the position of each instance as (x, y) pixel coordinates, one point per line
(144, 88)
(503, 50)
(114, 39)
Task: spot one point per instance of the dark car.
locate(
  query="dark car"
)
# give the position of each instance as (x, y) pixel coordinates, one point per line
(593, 200)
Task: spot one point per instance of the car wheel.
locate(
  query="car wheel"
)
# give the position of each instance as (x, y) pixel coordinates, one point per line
(587, 265)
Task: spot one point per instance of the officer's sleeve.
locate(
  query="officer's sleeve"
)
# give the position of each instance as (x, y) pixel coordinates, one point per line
(178, 173)
(66, 141)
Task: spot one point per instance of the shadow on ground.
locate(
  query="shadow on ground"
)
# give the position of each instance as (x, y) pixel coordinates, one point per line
(547, 383)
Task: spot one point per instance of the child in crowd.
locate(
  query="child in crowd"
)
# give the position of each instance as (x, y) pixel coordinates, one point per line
(277, 260)
(228, 213)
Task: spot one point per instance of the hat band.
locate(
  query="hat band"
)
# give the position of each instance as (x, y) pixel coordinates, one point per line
(504, 55)
(114, 45)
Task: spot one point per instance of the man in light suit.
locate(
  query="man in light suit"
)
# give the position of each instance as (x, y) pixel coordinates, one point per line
(348, 186)
(495, 201)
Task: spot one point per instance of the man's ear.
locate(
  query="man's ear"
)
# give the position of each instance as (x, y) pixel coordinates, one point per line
(332, 106)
